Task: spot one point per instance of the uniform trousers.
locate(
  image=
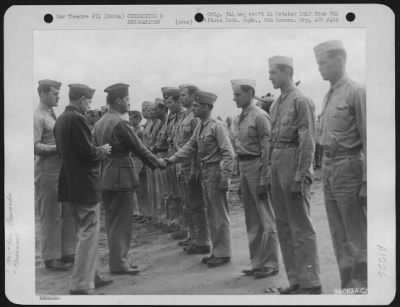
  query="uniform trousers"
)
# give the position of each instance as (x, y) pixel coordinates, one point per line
(293, 219)
(118, 215)
(216, 204)
(161, 181)
(87, 219)
(342, 180)
(174, 202)
(259, 217)
(138, 195)
(195, 216)
(56, 224)
(150, 192)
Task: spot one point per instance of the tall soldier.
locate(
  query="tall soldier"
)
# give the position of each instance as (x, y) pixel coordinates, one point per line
(252, 149)
(79, 184)
(344, 171)
(212, 143)
(57, 229)
(292, 148)
(160, 149)
(195, 216)
(145, 177)
(118, 180)
(135, 117)
(150, 136)
(176, 199)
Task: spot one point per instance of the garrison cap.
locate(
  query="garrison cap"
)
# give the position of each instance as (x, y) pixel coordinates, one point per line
(147, 104)
(205, 97)
(280, 60)
(170, 91)
(77, 90)
(159, 101)
(182, 86)
(48, 82)
(328, 46)
(117, 90)
(239, 82)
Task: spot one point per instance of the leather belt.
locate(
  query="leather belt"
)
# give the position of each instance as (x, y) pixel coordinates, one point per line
(281, 145)
(207, 164)
(247, 157)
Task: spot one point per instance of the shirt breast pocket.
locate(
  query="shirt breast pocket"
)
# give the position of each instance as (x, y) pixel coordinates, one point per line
(252, 132)
(205, 144)
(341, 117)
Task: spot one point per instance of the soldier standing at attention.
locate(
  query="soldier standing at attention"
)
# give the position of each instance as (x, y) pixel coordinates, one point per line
(195, 217)
(135, 117)
(344, 170)
(118, 178)
(212, 143)
(176, 197)
(160, 149)
(252, 145)
(57, 228)
(292, 148)
(147, 178)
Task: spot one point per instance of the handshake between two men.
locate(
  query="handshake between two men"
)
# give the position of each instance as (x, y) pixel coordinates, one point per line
(165, 162)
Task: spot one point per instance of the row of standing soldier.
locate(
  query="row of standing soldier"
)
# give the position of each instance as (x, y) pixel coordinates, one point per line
(189, 159)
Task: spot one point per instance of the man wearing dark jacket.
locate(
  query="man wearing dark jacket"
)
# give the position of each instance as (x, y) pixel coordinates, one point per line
(118, 177)
(79, 184)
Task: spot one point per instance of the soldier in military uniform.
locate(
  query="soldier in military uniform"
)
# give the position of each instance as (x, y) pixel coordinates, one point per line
(343, 138)
(195, 218)
(252, 143)
(79, 185)
(160, 149)
(135, 117)
(292, 148)
(56, 225)
(118, 178)
(211, 142)
(146, 177)
(176, 195)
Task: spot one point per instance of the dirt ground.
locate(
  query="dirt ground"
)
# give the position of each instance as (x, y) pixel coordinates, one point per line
(166, 269)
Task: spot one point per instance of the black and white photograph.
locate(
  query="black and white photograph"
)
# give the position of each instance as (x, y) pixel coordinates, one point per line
(217, 161)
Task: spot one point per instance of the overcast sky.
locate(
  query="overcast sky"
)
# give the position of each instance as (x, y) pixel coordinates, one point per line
(150, 59)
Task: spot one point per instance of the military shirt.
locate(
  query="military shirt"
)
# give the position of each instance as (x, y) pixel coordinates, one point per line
(161, 144)
(212, 143)
(183, 133)
(343, 119)
(293, 121)
(185, 128)
(172, 134)
(44, 140)
(253, 129)
(149, 132)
